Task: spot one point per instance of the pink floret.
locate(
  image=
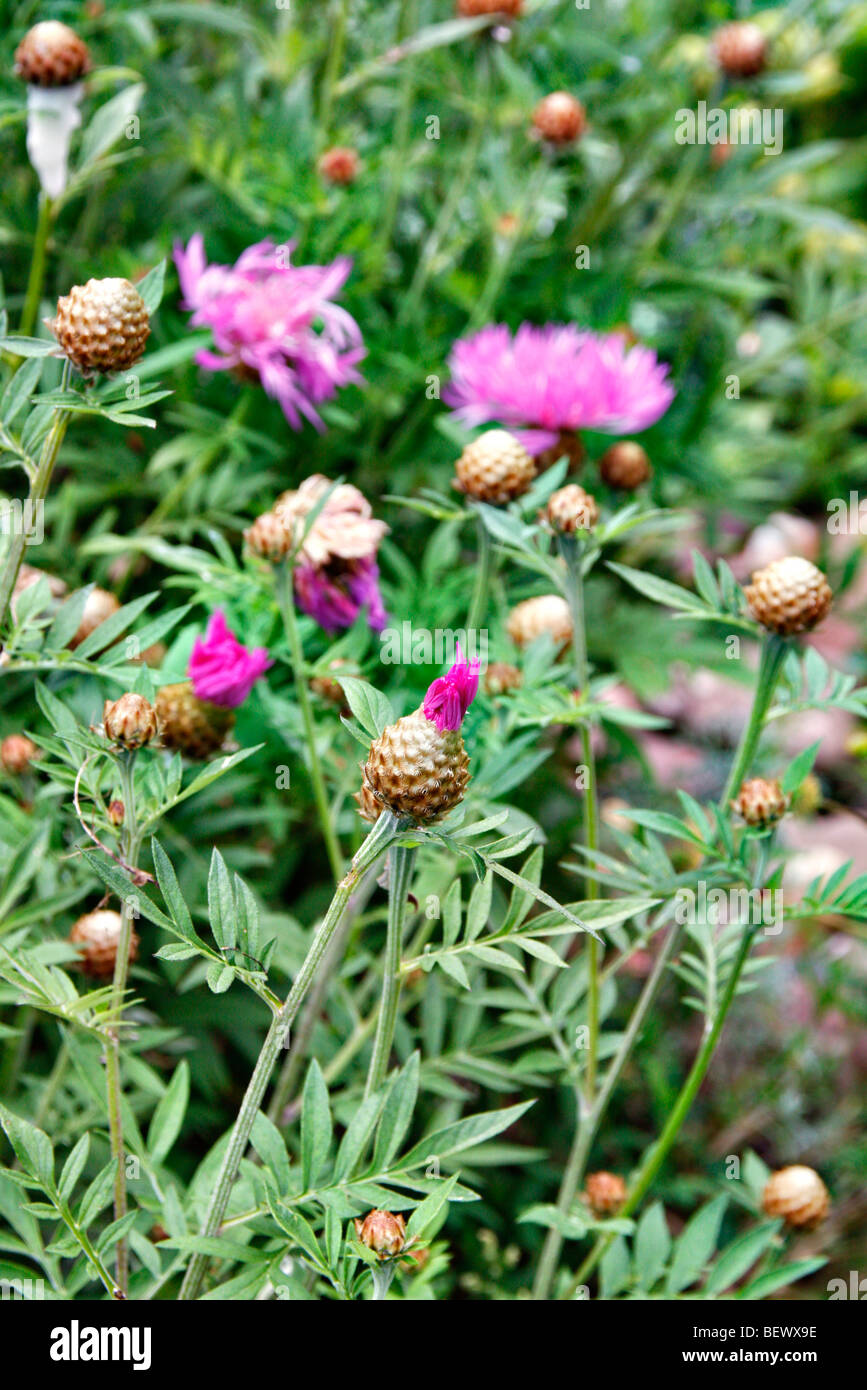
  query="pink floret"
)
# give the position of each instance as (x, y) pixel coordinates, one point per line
(450, 696)
(221, 670)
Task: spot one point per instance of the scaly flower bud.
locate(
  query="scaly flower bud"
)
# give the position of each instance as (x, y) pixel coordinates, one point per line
(605, 1192)
(535, 616)
(502, 677)
(789, 596)
(760, 802)
(571, 509)
(116, 812)
(740, 48)
(193, 727)
(382, 1233)
(559, 118)
(418, 768)
(624, 465)
(97, 935)
(102, 326)
(16, 753)
(495, 468)
(51, 55)
(269, 537)
(798, 1195)
(131, 721)
(339, 165)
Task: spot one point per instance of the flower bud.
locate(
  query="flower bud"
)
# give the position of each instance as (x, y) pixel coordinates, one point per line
(502, 677)
(495, 468)
(549, 613)
(16, 753)
(559, 118)
(740, 48)
(130, 722)
(339, 165)
(102, 326)
(624, 465)
(269, 537)
(469, 9)
(51, 55)
(798, 1195)
(418, 768)
(571, 509)
(97, 935)
(193, 727)
(789, 596)
(382, 1233)
(116, 812)
(760, 802)
(605, 1192)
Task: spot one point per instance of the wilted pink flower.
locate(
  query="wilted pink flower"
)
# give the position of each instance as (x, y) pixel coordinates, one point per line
(336, 574)
(275, 320)
(344, 528)
(221, 670)
(333, 596)
(450, 696)
(559, 377)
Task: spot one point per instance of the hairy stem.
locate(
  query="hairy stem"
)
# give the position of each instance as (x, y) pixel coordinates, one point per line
(377, 841)
(130, 847)
(36, 278)
(401, 866)
(39, 485)
(484, 569)
(286, 600)
(774, 652)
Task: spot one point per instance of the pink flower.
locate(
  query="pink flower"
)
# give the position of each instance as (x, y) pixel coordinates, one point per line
(559, 377)
(450, 696)
(334, 597)
(221, 670)
(275, 320)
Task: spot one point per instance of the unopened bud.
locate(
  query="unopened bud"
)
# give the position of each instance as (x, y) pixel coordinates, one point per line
(130, 722)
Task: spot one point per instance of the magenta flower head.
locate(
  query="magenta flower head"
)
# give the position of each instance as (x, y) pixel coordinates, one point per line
(450, 696)
(335, 599)
(543, 381)
(276, 321)
(221, 670)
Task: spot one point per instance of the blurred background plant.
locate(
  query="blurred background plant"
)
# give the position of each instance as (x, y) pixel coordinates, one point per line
(746, 271)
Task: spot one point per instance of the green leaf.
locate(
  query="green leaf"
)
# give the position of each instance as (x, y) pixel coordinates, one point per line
(738, 1257)
(427, 1211)
(780, 1278)
(169, 1115)
(151, 287)
(67, 620)
(614, 1268)
(463, 1134)
(315, 1125)
(221, 903)
(652, 1246)
(355, 1140)
(695, 1245)
(799, 768)
(109, 123)
(269, 1145)
(371, 708)
(32, 1146)
(170, 889)
(397, 1113)
(219, 977)
(73, 1168)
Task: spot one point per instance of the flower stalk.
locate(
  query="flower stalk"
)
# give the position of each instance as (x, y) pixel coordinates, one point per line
(401, 863)
(377, 841)
(286, 601)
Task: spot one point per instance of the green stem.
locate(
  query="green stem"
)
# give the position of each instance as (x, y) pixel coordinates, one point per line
(131, 845)
(378, 839)
(656, 1154)
(39, 485)
(36, 279)
(399, 147)
(588, 1127)
(401, 867)
(286, 600)
(333, 64)
(284, 1087)
(587, 1113)
(484, 568)
(774, 652)
(53, 1082)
